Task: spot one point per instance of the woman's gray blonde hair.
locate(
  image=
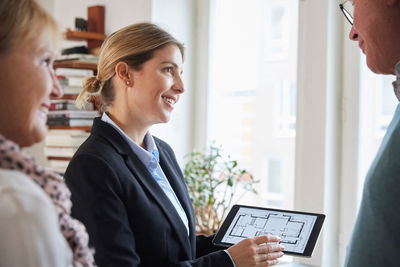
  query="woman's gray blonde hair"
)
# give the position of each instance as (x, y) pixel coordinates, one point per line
(21, 21)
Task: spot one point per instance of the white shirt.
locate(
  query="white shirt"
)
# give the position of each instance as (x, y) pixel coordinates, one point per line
(30, 234)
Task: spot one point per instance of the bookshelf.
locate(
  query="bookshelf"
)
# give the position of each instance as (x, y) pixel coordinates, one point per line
(68, 126)
(63, 140)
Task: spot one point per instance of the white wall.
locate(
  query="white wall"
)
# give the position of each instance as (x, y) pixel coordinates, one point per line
(178, 18)
(47, 4)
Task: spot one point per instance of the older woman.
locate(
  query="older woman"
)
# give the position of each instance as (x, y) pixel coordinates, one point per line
(35, 226)
(127, 187)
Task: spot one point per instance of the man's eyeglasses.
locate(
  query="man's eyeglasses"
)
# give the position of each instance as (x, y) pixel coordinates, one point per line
(347, 11)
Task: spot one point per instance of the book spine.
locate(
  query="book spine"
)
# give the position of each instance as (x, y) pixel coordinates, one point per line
(71, 115)
(62, 106)
(74, 81)
(58, 122)
(69, 122)
(72, 89)
(58, 116)
(74, 72)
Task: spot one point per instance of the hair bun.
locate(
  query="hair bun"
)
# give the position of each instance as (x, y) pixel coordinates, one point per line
(96, 84)
(92, 84)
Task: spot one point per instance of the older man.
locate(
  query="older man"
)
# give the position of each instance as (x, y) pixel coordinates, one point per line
(376, 235)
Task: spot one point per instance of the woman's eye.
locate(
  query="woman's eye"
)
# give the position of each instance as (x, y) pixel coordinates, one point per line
(46, 62)
(169, 69)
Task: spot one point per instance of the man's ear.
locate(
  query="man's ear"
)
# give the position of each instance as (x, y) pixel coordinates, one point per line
(122, 71)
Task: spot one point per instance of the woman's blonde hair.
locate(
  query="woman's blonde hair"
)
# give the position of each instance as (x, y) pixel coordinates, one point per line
(134, 44)
(21, 21)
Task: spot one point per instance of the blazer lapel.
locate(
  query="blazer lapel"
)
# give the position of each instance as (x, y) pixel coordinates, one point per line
(145, 178)
(176, 180)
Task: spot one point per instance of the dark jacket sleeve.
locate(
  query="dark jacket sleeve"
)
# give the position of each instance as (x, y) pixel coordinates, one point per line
(218, 258)
(205, 246)
(96, 202)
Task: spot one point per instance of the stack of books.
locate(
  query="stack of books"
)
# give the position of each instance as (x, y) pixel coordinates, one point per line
(88, 58)
(63, 112)
(71, 80)
(60, 146)
(68, 126)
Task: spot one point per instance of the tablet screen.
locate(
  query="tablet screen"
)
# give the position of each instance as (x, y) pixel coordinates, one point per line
(298, 230)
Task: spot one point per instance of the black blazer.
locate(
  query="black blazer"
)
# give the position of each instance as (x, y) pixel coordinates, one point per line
(130, 220)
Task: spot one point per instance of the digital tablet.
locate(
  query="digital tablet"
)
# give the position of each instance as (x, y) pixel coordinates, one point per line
(298, 230)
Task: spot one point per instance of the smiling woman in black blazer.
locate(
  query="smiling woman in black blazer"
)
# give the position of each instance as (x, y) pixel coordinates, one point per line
(127, 187)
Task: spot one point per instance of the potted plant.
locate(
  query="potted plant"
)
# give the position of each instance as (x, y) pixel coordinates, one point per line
(212, 181)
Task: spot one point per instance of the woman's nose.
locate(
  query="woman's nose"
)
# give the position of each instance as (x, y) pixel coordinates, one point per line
(178, 84)
(56, 90)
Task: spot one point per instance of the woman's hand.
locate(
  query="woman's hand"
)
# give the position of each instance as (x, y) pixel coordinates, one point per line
(255, 252)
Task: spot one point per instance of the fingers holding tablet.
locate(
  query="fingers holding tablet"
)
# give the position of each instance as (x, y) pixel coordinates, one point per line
(266, 239)
(256, 251)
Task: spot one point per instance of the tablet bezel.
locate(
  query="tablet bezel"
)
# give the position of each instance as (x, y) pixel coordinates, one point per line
(311, 241)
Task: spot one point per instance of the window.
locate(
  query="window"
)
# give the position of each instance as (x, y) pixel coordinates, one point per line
(386, 103)
(285, 108)
(252, 96)
(276, 33)
(274, 182)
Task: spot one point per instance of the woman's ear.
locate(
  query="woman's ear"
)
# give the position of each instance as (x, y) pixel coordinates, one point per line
(122, 72)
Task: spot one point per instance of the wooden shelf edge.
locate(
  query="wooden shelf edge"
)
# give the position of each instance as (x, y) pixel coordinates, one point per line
(76, 64)
(66, 97)
(77, 35)
(65, 127)
(58, 158)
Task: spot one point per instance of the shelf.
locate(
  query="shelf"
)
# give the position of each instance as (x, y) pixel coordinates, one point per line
(79, 36)
(66, 97)
(94, 41)
(58, 158)
(77, 64)
(65, 127)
